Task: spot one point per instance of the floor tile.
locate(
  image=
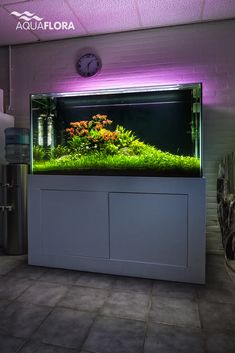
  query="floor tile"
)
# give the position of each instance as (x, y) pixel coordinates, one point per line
(10, 344)
(27, 271)
(122, 304)
(216, 294)
(174, 290)
(38, 347)
(133, 284)
(231, 275)
(8, 263)
(172, 339)
(43, 293)
(84, 298)
(95, 280)
(127, 305)
(215, 260)
(113, 335)
(174, 311)
(65, 327)
(218, 277)
(4, 303)
(216, 272)
(11, 288)
(217, 316)
(21, 319)
(55, 275)
(6, 267)
(220, 343)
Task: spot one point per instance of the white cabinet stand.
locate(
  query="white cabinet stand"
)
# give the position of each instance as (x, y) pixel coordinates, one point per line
(136, 226)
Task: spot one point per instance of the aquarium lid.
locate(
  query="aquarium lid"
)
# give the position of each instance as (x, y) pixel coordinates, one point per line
(117, 90)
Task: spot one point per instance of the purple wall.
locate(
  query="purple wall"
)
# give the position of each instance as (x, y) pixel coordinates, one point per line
(191, 53)
(4, 75)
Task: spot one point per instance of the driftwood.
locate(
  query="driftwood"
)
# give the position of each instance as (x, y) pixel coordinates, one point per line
(226, 204)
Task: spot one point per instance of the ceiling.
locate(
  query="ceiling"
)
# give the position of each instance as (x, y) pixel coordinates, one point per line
(41, 20)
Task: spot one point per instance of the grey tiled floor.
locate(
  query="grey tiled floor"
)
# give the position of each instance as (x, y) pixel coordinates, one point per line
(60, 311)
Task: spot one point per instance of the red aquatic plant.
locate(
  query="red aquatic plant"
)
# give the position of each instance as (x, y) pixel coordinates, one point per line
(87, 127)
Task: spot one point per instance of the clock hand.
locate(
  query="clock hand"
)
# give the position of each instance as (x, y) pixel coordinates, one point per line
(88, 65)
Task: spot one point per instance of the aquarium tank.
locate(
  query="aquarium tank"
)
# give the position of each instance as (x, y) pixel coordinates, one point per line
(146, 131)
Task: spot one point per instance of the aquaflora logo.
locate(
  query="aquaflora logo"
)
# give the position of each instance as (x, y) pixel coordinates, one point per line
(30, 22)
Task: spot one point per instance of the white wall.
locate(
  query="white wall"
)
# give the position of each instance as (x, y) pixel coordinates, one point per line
(192, 53)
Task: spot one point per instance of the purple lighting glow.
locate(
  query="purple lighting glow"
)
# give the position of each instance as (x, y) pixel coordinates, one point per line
(142, 79)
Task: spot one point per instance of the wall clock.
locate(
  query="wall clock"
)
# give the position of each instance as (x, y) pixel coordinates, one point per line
(88, 65)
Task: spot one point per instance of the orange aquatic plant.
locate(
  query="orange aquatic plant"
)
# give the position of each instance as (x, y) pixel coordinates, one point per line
(86, 128)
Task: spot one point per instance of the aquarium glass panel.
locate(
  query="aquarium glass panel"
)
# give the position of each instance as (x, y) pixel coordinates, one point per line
(153, 131)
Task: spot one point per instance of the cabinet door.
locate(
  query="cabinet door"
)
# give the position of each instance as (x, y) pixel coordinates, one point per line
(149, 228)
(74, 223)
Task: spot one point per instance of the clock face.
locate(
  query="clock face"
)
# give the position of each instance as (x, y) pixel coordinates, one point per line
(88, 65)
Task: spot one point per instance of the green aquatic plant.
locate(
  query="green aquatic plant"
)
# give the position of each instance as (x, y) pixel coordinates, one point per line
(45, 153)
(157, 163)
(138, 146)
(125, 137)
(59, 151)
(39, 153)
(92, 146)
(79, 145)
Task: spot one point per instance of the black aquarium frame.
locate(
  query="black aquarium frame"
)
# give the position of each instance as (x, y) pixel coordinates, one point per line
(197, 106)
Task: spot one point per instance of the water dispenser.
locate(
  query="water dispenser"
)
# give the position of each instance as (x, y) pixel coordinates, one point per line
(17, 149)
(14, 191)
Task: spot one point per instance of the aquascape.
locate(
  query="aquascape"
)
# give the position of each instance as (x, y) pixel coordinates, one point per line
(98, 146)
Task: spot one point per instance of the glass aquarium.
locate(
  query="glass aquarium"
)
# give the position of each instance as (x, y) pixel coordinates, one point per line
(147, 131)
